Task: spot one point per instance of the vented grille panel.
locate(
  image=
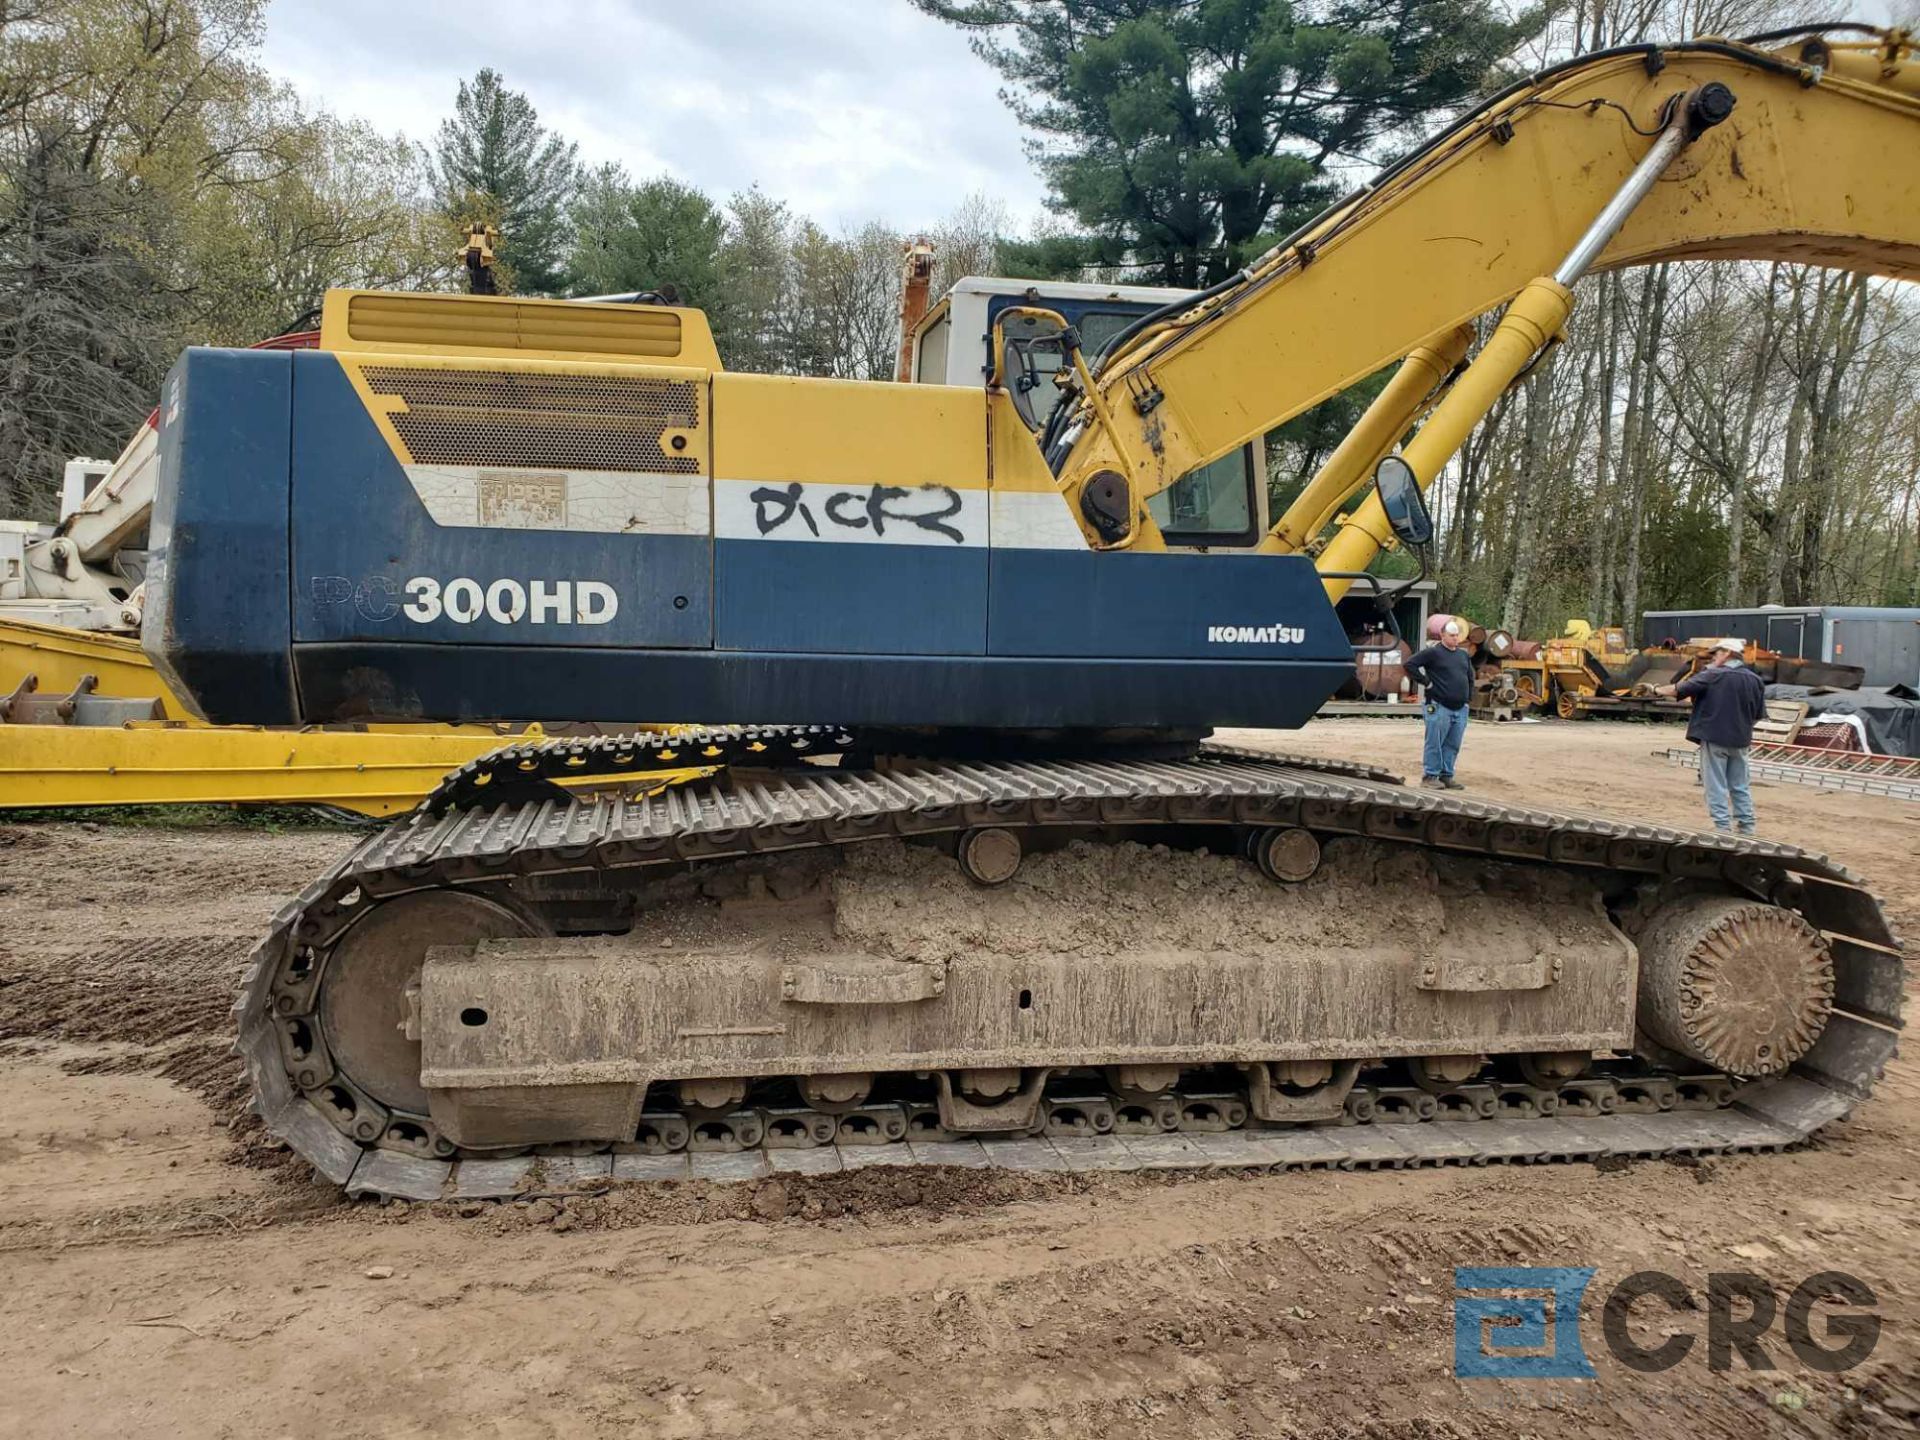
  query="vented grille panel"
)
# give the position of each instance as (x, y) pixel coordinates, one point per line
(521, 420)
(443, 321)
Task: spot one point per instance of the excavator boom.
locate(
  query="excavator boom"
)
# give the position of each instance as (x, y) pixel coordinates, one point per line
(1803, 169)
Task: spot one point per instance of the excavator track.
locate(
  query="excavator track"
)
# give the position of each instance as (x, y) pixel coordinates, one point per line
(540, 770)
(1624, 1108)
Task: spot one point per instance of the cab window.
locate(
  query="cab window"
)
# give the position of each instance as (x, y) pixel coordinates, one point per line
(1211, 506)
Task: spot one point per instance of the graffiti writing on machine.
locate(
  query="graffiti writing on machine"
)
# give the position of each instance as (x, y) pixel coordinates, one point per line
(463, 600)
(869, 510)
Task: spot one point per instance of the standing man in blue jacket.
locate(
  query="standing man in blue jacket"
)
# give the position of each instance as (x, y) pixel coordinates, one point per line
(1446, 672)
(1728, 701)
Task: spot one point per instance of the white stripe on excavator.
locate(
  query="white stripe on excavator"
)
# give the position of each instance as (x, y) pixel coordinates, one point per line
(607, 502)
(611, 502)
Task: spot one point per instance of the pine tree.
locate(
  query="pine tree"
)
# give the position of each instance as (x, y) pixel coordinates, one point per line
(657, 235)
(495, 162)
(1182, 134)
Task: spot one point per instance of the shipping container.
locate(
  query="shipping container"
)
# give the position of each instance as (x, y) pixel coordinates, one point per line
(1883, 641)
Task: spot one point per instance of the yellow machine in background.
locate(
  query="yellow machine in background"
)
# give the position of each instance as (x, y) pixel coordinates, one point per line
(86, 720)
(1554, 674)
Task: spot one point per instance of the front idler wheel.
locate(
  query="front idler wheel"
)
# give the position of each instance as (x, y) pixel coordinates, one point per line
(366, 1012)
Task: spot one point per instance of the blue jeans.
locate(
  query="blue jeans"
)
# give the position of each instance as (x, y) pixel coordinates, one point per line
(1723, 771)
(1444, 731)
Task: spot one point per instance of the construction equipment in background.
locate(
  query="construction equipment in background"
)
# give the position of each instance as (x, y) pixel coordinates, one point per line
(981, 891)
(85, 720)
(1582, 660)
(1589, 671)
(376, 771)
(1635, 691)
(916, 285)
(87, 570)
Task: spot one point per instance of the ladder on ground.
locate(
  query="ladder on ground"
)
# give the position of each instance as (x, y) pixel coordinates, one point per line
(1897, 776)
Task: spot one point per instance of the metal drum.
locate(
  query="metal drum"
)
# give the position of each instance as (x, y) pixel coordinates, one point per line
(1381, 672)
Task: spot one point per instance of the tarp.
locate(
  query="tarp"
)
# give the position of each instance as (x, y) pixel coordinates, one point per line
(1890, 714)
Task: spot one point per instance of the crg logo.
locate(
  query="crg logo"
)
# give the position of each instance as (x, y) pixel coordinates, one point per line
(508, 602)
(1256, 634)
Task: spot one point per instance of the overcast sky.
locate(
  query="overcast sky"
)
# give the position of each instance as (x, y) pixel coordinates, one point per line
(849, 110)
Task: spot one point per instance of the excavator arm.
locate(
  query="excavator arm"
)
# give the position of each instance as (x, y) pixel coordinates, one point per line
(1706, 150)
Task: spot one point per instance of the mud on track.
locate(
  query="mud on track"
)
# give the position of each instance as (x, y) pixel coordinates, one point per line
(163, 1271)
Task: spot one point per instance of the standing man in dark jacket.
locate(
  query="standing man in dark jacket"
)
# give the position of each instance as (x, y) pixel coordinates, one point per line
(1728, 701)
(1446, 672)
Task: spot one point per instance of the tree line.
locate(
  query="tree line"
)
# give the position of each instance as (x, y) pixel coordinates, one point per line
(1710, 433)
(159, 189)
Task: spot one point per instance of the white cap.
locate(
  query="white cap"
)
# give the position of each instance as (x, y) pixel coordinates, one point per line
(1732, 643)
(1452, 627)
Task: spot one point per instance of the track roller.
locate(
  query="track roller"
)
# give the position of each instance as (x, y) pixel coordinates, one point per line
(836, 1094)
(989, 856)
(1289, 855)
(713, 1097)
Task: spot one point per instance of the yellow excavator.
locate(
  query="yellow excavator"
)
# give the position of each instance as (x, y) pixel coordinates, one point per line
(974, 887)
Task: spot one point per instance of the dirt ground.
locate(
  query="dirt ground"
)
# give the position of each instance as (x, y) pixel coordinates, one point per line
(165, 1271)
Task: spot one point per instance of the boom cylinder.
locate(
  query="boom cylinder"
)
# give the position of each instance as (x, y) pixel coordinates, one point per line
(1534, 317)
(1372, 437)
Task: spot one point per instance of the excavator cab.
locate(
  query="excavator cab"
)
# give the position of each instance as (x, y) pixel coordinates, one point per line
(1221, 505)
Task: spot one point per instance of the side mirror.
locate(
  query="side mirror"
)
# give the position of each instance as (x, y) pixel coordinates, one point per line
(1030, 347)
(1400, 497)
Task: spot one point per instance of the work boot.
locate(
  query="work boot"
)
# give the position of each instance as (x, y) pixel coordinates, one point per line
(1432, 782)
(1746, 829)
(1447, 782)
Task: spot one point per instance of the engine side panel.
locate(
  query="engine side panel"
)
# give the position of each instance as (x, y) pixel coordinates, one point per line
(373, 562)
